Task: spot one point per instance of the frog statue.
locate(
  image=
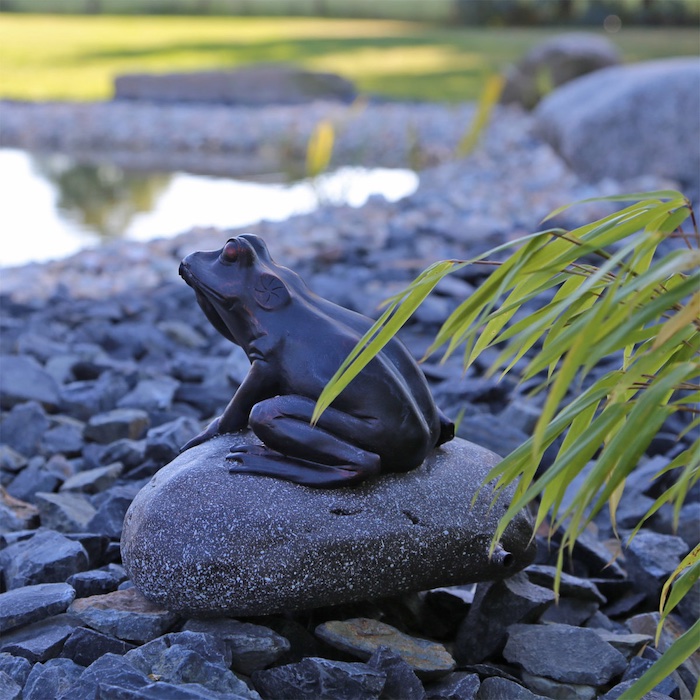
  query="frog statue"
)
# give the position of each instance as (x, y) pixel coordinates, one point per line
(385, 420)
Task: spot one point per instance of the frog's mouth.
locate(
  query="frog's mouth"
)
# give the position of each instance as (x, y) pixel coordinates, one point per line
(203, 295)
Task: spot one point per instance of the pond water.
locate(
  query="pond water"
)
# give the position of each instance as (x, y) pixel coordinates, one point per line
(53, 206)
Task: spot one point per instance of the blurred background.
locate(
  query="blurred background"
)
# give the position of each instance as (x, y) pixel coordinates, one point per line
(73, 178)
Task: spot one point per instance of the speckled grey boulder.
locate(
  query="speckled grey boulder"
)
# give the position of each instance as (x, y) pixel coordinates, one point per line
(639, 119)
(200, 540)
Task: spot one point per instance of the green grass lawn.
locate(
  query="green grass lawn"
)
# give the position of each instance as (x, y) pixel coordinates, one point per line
(76, 57)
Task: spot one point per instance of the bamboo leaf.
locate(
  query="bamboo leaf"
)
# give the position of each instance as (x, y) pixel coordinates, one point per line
(688, 643)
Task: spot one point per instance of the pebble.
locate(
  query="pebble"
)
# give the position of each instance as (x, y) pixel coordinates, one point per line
(113, 329)
(362, 637)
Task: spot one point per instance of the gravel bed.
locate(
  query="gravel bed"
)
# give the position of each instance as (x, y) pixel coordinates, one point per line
(108, 366)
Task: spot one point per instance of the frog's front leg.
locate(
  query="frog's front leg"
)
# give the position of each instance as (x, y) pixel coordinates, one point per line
(258, 384)
(326, 455)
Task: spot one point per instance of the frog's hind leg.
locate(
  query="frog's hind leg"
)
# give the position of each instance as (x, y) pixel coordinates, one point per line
(324, 456)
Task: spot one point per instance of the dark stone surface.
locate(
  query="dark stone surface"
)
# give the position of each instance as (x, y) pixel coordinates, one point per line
(24, 426)
(564, 653)
(401, 682)
(28, 604)
(16, 667)
(97, 581)
(189, 657)
(502, 689)
(126, 614)
(315, 678)
(47, 557)
(362, 637)
(399, 532)
(117, 424)
(9, 688)
(64, 512)
(39, 641)
(24, 379)
(651, 558)
(456, 686)
(85, 646)
(108, 672)
(51, 679)
(252, 647)
(496, 607)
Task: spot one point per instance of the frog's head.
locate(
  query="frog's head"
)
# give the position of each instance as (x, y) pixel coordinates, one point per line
(236, 285)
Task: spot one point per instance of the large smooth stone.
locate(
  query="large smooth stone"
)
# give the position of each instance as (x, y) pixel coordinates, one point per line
(629, 120)
(199, 540)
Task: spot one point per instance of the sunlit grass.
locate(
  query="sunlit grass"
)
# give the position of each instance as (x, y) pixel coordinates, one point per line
(77, 57)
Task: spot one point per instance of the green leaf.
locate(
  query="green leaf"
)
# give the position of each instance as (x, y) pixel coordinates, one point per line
(688, 643)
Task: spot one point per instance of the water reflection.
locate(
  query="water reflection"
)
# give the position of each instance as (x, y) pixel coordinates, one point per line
(58, 206)
(102, 198)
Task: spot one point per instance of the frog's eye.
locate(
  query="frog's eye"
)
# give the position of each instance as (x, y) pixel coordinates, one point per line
(230, 251)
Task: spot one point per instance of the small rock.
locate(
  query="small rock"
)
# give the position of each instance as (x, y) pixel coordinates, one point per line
(93, 480)
(496, 607)
(190, 657)
(555, 689)
(23, 428)
(85, 399)
(627, 644)
(570, 611)
(35, 477)
(24, 379)
(39, 641)
(97, 581)
(455, 686)
(564, 653)
(638, 667)
(64, 512)
(163, 443)
(252, 647)
(9, 688)
(150, 395)
(10, 459)
(361, 637)
(401, 682)
(16, 514)
(502, 689)
(615, 692)
(314, 678)
(130, 453)
(51, 679)
(85, 646)
(109, 671)
(117, 424)
(492, 434)
(16, 667)
(651, 558)
(123, 614)
(28, 604)
(65, 438)
(112, 507)
(570, 586)
(47, 557)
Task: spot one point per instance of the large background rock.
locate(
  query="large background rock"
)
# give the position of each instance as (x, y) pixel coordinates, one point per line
(554, 62)
(198, 539)
(255, 85)
(629, 120)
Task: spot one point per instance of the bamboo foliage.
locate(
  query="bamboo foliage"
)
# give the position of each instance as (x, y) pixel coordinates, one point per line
(609, 294)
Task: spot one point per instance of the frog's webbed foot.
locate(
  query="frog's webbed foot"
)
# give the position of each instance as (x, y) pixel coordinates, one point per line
(261, 460)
